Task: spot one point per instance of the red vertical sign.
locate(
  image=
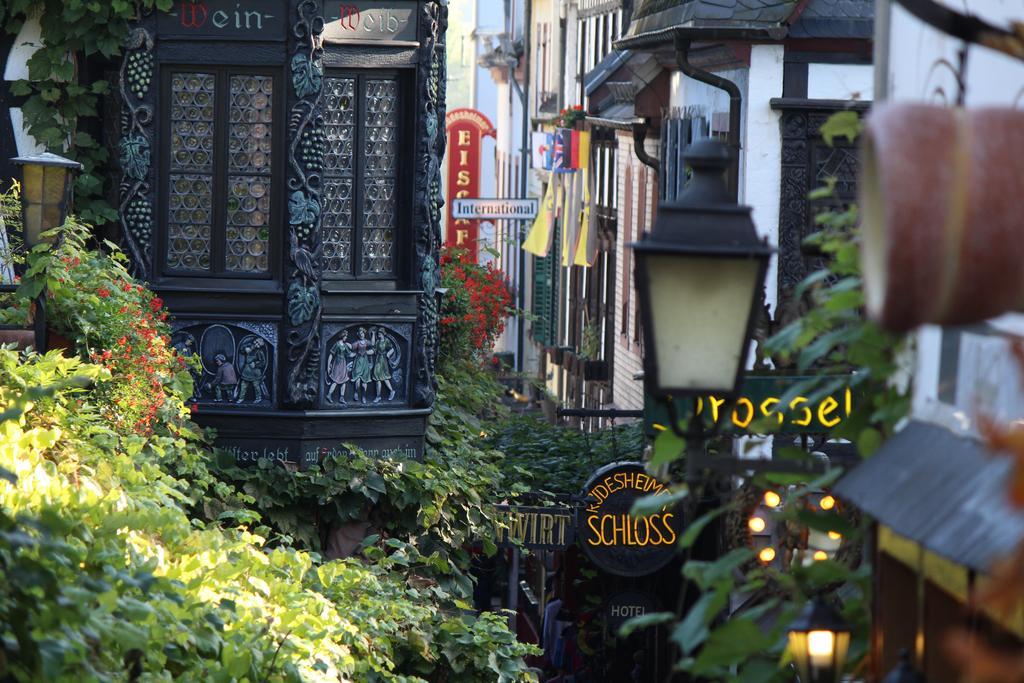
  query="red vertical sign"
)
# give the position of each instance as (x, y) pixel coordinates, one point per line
(466, 130)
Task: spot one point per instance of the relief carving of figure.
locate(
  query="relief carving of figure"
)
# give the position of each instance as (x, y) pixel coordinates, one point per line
(338, 369)
(384, 356)
(185, 346)
(362, 371)
(253, 362)
(225, 382)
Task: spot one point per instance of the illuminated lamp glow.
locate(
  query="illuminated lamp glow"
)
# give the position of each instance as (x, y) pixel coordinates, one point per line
(766, 555)
(772, 499)
(757, 524)
(820, 555)
(827, 503)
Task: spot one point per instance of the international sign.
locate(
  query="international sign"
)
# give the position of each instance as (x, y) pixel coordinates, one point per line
(495, 209)
(614, 539)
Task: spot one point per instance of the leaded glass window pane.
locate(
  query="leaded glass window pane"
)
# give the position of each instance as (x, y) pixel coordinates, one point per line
(249, 151)
(380, 148)
(190, 196)
(221, 177)
(340, 123)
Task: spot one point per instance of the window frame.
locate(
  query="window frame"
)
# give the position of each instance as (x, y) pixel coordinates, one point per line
(404, 185)
(218, 275)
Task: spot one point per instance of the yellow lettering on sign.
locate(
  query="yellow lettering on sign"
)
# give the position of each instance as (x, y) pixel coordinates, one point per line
(562, 520)
(465, 138)
(547, 523)
(748, 406)
(808, 415)
(716, 403)
(767, 406)
(463, 178)
(461, 236)
(463, 157)
(825, 409)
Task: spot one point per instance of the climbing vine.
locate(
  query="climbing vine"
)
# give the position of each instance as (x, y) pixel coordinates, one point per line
(845, 350)
(60, 111)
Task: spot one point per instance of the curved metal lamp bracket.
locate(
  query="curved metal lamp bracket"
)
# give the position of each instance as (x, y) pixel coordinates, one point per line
(968, 28)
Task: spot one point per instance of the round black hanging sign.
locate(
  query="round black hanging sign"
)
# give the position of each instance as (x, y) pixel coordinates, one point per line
(613, 539)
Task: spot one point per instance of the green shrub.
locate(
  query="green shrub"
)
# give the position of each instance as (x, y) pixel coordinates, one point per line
(123, 557)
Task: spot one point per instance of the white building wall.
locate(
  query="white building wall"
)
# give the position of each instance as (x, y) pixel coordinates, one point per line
(761, 169)
(958, 374)
(840, 81)
(28, 40)
(628, 392)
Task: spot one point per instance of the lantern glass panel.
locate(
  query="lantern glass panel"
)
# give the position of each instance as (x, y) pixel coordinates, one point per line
(819, 654)
(700, 310)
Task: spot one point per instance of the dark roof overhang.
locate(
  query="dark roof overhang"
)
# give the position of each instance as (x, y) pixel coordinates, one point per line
(942, 490)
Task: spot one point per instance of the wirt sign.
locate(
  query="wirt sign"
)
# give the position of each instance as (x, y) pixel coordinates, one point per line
(611, 537)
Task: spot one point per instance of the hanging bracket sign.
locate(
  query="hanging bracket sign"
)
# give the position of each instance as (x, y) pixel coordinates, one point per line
(495, 209)
(615, 540)
(536, 528)
(224, 20)
(359, 21)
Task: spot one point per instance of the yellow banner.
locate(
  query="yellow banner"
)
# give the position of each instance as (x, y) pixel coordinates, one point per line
(538, 241)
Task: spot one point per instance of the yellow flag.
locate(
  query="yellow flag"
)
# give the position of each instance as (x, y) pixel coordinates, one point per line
(586, 247)
(538, 241)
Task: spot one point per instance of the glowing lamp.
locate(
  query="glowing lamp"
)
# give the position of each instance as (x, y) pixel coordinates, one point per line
(767, 555)
(820, 555)
(757, 524)
(819, 640)
(772, 499)
(699, 277)
(827, 503)
(45, 193)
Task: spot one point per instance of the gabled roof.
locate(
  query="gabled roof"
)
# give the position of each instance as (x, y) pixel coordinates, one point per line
(944, 491)
(658, 21)
(835, 19)
(654, 21)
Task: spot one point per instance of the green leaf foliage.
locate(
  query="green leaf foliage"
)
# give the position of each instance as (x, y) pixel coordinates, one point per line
(735, 628)
(125, 554)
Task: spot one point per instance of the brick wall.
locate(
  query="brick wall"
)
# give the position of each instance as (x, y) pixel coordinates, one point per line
(638, 196)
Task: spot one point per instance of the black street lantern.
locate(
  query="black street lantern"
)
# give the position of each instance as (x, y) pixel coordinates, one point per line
(904, 671)
(819, 640)
(45, 193)
(699, 277)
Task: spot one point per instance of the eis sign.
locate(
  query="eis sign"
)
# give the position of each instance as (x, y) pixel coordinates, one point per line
(615, 540)
(466, 131)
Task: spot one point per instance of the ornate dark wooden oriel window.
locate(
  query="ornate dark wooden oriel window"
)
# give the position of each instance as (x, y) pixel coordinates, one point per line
(222, 172)
(362, 188)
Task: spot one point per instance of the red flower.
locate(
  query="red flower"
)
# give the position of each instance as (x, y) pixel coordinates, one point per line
(155, 303)
(193, 408)
(103, 292)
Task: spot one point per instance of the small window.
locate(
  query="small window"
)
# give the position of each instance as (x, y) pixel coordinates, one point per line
(361, 188)
(221, 183)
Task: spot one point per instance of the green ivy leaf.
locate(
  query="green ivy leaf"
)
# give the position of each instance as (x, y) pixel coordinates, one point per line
(302, 209)
(135, 156)
(307, 75)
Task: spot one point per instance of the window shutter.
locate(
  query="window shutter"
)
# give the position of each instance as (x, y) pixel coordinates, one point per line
(545, 272)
